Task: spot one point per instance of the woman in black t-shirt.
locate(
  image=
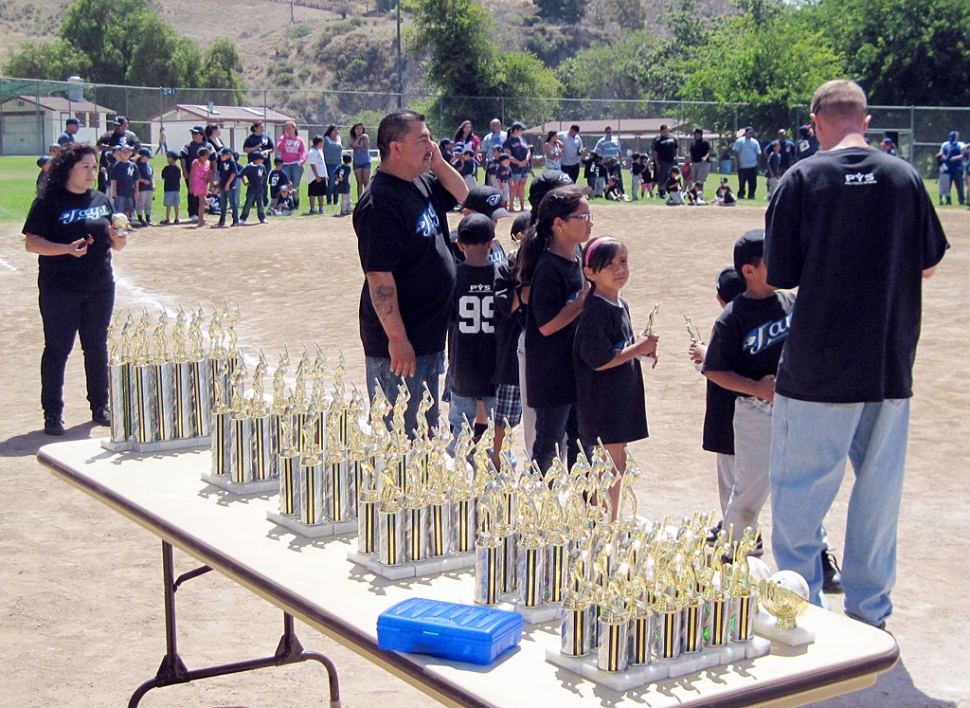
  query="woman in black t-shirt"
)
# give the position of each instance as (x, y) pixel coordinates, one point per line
(69, 228)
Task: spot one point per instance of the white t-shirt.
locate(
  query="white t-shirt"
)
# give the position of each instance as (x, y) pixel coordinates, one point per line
(315, 157)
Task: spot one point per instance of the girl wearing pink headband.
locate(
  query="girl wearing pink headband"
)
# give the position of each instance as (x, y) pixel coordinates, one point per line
(606, 351)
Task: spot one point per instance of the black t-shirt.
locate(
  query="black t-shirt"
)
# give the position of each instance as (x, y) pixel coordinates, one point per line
(64, 217)
(853, 229)
(190, 151)
(124, 175)
(402, 229)
(719, 420)
(549, 360)
(227, 169)
(277, 178)
(254, 175)
(471, 340)
(172, 177)
(508, 324)
(749, 334)
(610, 403)
(258, 141)
(666, 148)
(698, 149)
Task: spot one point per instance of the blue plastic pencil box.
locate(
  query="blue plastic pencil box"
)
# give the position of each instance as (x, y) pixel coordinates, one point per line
(448, 630)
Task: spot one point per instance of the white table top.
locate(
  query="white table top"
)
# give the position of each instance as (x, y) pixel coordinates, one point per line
(314, 581)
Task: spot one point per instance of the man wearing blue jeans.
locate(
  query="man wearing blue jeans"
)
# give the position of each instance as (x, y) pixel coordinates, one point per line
(402, 240)
(747, 153)
(845, 376)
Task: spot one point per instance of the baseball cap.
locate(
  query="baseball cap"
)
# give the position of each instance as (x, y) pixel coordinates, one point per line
(43, 160)
(225, 151)
(123, 146)
(197, 129)
(517, 126)
(284, 188)
(53, 145)
(256, 155)
(459, 149)
(172, 154)
(886, 141)
(504, 156)
(729, 284)
(144, 152)
(698, 130)
(749, 248)
(749, 129)
(486, 200)
(120, 120)
(475, 229)
(546, 182)
(72, 121)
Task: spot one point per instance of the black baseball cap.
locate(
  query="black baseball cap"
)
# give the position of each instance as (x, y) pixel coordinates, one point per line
(144, 152)
(749, 248)
(476, 229)
(43, 160)
(545, 183)
(172, 154)
(197, 129)
(72, 121)
(729, 284)
(256, 155)
(486, 200)
(225, 151)
(120, 120)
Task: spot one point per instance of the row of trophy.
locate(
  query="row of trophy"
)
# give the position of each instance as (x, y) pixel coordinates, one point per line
(163, 385)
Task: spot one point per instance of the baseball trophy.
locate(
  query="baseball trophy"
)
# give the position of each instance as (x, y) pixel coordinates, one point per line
(488, 555)
(695, 337)
(241, 431)
(265, 427)
(118, 381)
(289, 464)
(785, 596)
(648, 331)
(311, 471)
(390, 517)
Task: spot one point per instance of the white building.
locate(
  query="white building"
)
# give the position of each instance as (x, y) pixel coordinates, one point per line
(29, 124)
(236, 122)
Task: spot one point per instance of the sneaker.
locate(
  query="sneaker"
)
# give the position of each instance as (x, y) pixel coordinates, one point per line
(831, 574)
(53, 425)
(101, 416)
(313, 210)
(242, 221)
(193, 218)
(176, 221)
(218, 226)
(165, 222)
(263, 221)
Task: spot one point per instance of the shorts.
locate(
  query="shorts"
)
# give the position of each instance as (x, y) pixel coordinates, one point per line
(124, 205)
(317, 189)
(508, 405)
(362, 165)
(517, 175)
(172, 199)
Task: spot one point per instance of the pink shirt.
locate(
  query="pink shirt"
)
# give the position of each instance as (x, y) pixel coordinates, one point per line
(292, 150)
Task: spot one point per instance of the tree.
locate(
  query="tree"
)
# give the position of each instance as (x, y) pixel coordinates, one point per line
(772, 67)
(561, 11)
(903, 52)
(53, 61)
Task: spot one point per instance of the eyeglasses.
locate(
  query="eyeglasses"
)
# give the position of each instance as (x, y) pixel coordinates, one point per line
(587, 217)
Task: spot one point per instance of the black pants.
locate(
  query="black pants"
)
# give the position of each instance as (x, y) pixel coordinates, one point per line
(747, 176)
(572, 171)
(193, 201)
(660, 176)
(67, 314)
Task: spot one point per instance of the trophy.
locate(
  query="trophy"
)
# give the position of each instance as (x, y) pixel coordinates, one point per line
(531, 559)
(165, 382)
(648, 331)
(439, 506)
(121, 222)
(289, 464)
(613, 652)
(118, 381)
(311, 479)
(241, 430)
(695, 337)
(464, 520)
(339, 490)
(743, 592)
(390, 516)
(265, 427)
(785, 596)
(578, 623)
(488, 555)
(146, 384)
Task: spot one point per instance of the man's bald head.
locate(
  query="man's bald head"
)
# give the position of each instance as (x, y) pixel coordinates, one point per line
(840, 99)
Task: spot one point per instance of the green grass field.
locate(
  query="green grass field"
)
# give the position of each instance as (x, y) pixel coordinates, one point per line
(18, 177)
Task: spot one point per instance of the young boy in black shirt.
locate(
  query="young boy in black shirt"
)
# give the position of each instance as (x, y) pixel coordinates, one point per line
(227, 176)
(743, 357)
(254, 176)
(277, 178)
(471, 339)
(172, 179)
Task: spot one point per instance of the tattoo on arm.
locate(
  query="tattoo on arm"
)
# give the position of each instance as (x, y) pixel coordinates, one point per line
(384, 298)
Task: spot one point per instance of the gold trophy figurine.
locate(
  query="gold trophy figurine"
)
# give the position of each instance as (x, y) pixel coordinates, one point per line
(259, 407)
(178, 336)
(695, 338)
(159, 340)
(648, 332)
(127, 346)
(279, 383)
(302, 373)
(232, 321)
(237, 399)
(113, 328)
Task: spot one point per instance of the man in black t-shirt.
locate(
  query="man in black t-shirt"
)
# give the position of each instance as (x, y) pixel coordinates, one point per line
(188, 155)
(402, 240)
(700, 157)
(856, 232)
(664, 152)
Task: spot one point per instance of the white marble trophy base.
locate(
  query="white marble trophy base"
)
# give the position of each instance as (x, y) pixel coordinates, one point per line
(132, 445)
(534, 615)
(636, 676)
(224, 481)
(764, 624)
(324, 530)
(416, 569)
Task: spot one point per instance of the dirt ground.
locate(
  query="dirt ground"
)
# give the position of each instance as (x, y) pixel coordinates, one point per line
(81, 615)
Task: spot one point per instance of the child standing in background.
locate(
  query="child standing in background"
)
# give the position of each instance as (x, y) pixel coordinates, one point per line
(199, 178)
(255, 178)
(341, 179)
(317, 186)
(605, 356)
(146, 187)
(172, 184)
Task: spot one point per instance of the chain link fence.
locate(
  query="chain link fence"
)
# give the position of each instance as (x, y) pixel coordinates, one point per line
(33, 115)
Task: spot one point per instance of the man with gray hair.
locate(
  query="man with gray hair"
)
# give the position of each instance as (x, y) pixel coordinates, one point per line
(401, 223)
(855, 231)
(494, 139)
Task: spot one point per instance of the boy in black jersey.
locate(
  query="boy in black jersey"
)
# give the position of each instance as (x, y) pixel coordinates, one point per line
(743, 357)
(471, 340)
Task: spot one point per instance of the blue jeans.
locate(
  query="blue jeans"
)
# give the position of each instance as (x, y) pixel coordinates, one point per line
(810, 443)
(332, 197)
(226, 199)
(294, 173)
(254, 197)
(463, 407)
(553, 424)
(428, 370)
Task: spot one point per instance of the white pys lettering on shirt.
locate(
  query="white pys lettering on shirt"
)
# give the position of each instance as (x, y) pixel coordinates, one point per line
(859, 178)
(74, 215)
(767, 335)
(428, 222)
